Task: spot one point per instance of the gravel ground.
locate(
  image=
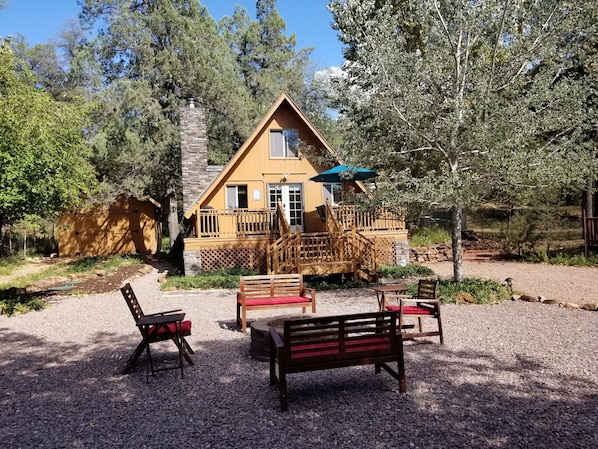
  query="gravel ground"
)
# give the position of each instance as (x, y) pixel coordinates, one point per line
(514, 375)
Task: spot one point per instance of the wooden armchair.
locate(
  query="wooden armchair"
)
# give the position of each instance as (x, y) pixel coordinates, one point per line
(424, 304)
(155, 333)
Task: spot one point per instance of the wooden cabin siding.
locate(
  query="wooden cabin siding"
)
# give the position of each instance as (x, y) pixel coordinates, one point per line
(128, 226)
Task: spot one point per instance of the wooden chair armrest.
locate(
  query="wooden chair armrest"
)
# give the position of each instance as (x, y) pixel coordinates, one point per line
(168, 312)
(306, 290)
(397, 296)
(275, 336)
(420, 300)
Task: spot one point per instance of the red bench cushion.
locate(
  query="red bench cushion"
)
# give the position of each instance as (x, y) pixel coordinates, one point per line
(275, 300)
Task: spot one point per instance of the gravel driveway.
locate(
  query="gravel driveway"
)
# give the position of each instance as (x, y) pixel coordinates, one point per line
(564, 284)
(514, 375)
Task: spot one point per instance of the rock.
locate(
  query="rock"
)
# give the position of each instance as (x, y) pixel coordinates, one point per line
(528, 298)
(101, 273)
(589, 306)
(515, 297)
(466, 298)
(570, 305)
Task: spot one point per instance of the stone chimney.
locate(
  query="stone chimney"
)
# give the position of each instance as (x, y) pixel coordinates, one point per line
(194, 153)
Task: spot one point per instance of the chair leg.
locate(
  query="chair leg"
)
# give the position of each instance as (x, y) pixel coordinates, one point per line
(439, 325)
(185, 344)
(134, 356)
(421, 324)
(282, 387)
(189, 349)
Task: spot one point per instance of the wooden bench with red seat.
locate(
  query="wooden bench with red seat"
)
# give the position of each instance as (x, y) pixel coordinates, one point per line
(317, 343)
(271, 292)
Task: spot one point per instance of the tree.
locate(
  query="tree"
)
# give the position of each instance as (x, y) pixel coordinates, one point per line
(44, 167)
(154, 54)
(456, 102)
(267, 58)
(65, 66)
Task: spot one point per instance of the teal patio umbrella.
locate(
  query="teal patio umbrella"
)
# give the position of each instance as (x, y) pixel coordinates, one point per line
(344, 173)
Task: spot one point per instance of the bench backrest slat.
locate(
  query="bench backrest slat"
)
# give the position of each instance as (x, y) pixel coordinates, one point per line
(340, 337)
(271, 285)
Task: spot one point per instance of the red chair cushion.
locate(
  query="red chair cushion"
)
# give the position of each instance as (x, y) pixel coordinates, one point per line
(170, 329)
(413, 310)
(276, 300)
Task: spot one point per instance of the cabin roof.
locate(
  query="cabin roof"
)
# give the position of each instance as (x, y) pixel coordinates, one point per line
(283, 100)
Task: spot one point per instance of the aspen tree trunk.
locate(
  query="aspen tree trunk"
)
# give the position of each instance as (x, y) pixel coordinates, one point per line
(456, 218)
(173, 219)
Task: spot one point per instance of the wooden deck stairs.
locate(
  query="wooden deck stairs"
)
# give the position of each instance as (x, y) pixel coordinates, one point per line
(335, 251)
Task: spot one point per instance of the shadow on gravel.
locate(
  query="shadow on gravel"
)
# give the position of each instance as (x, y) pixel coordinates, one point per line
(71, 395)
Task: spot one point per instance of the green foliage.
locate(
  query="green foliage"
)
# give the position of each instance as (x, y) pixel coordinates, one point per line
(44, 166)
(333, 282)
(10, 264)
(429, 236)
(266, 56)
(16, 304)
(153, 57)
(456, 103)
(520, 233)
(88, 264)
(221, 278)
(484, 291)
(408, 271)
(577, 260)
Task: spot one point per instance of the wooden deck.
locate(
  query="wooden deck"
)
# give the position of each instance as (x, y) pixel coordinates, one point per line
(347, 246)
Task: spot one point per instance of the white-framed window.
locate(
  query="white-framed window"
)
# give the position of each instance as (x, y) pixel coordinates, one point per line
(284, 143)
(333, 192)
(236, 197)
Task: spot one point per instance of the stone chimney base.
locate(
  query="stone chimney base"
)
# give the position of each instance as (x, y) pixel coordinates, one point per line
(192, 262)
(402, 252)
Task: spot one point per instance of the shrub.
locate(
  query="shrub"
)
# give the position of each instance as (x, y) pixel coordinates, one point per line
(102, 262)
(333, 282)
(10, 264)
(429, 236)
(483, 290)
(408, 271)
(221, 278)
(15, 304)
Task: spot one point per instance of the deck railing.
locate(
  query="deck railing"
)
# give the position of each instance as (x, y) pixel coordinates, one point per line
(215, 223)
(379, 220)
(293, 250)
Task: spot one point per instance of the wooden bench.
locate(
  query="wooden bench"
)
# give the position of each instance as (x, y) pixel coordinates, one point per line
(317, 343)
(272, 292)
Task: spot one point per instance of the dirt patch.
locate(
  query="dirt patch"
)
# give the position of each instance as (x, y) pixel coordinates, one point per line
(100, 281)
(105, 282)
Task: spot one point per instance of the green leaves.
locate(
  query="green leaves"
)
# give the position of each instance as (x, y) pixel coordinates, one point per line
(43, 157)
(455, 103)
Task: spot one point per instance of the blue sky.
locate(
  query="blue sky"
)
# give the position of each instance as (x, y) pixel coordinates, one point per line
(41, 20)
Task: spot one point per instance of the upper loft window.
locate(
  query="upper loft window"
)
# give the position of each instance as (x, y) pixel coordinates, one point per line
(284, 143)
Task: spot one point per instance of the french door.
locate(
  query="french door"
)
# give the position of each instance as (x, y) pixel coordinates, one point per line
(291, 196)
